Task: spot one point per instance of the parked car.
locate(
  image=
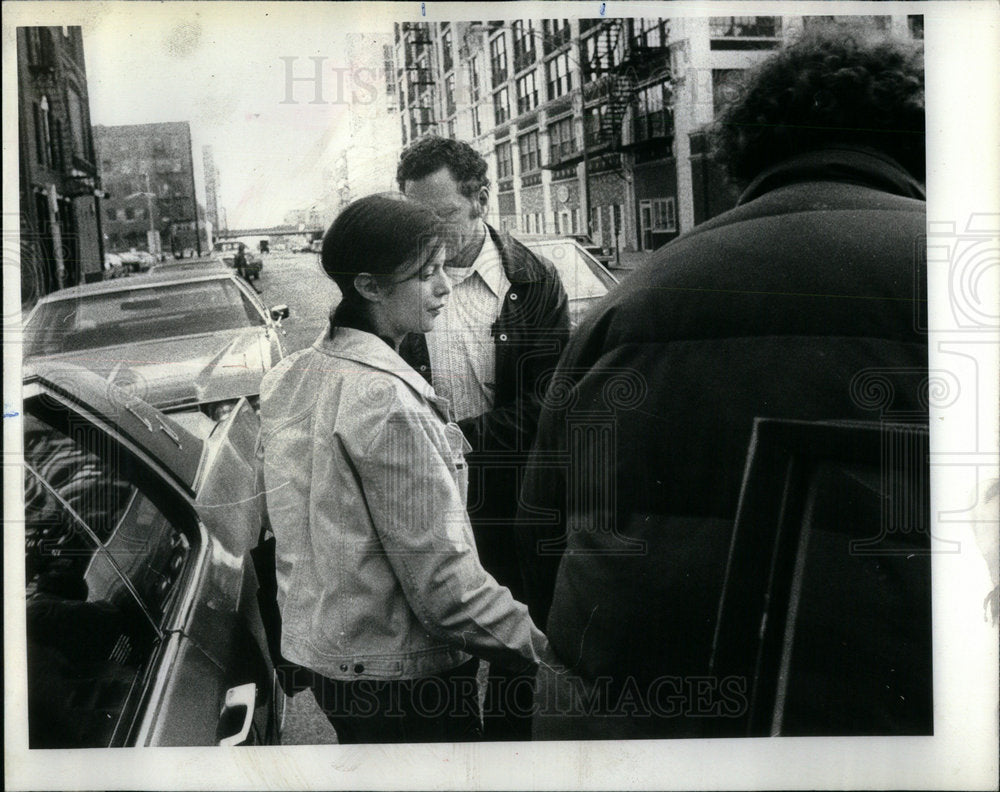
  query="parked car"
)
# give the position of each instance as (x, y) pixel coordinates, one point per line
(181, 340)
(585, 279)
(114, 267)
(138, 260)
(226, 252)
(198, 265)
(593, 249)
(142, 623)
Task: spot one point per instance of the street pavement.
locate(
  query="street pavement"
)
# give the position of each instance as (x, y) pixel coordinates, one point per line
(298, 281)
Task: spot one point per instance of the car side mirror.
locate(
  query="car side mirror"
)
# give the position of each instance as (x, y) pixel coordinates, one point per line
(279, 312)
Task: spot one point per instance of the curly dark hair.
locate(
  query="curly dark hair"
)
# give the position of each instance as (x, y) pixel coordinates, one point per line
(828, 87)
(431, 153)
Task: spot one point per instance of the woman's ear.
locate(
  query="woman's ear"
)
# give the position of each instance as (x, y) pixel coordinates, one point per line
(368, 287)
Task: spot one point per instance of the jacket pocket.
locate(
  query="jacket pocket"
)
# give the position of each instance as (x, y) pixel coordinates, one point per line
(459, 447)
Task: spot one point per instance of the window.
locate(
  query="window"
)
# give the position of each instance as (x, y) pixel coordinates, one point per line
(505, 162)
(744, 27)
(562, 140)
(654, 112)
(601, 54)
(451, 128)
(120, 214)
(660, 213)
(129, 214)
(77, 121)
(915, 23)
(103, 565)
(555, 33)
(446, 54)
(559, 78)
(527, 146)
(592, 126)
(649, 33)
(744, 32)
(477, 124)
(498, 59)
(474, 80)
(501, 106)
(524, 44)
(527, 93)
(449, 95)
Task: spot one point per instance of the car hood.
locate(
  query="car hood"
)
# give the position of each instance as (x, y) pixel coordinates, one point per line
(179, 372)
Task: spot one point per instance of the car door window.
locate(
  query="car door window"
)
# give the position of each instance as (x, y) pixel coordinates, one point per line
(102, 566)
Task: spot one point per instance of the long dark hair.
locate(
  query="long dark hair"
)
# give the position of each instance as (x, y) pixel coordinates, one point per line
(377, 234)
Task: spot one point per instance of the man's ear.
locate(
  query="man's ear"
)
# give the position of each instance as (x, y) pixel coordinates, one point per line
(483, 198)
(368, 287)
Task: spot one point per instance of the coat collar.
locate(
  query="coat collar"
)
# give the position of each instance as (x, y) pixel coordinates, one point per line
(867, 167)
(372, 351)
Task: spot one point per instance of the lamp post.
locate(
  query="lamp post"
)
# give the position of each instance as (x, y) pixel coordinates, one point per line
(152, 236)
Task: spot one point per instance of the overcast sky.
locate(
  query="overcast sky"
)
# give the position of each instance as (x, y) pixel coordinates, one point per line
(224, 69)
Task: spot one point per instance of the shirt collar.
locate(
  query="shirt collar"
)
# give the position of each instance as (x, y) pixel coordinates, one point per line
(488, 266)
(370, 350)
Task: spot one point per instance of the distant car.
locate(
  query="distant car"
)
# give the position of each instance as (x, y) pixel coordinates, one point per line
(141, 618)
(226, 252)
(182, 341)
(114, 267)
(138, 260)
(585, 278)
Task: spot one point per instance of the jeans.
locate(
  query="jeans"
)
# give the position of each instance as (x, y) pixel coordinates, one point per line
(439, 708)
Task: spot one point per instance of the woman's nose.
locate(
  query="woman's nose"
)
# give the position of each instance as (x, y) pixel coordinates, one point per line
(443, 285)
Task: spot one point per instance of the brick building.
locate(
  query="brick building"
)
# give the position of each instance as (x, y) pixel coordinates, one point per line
(148, 172)
(591, 125)
(59, 184)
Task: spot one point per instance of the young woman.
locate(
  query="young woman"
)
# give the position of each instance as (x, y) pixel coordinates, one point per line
(381, 591)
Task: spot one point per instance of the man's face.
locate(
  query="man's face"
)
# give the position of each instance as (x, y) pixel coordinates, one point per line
(440, 192)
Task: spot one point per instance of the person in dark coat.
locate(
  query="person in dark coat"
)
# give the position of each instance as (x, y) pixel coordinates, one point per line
(496, 342)
(773, 308)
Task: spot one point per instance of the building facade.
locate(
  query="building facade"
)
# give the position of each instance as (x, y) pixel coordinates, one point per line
(591, 126)
(148, 173)
(212, 213)
(60, 187)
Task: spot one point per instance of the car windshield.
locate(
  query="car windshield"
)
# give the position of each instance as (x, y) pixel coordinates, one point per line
(133, 315)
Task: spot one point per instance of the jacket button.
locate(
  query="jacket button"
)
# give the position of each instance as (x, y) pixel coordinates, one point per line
(359, 668)
(343, 666)
(513, 295)
(423, 368)
(503, 336)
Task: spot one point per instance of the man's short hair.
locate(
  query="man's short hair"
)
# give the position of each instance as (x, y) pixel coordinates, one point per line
(829, 87)
(431, 153)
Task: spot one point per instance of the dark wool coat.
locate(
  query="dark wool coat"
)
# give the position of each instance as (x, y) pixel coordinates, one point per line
(769, 309)
(529, 337)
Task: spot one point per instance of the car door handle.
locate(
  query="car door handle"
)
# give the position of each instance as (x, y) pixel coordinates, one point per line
(240, 697)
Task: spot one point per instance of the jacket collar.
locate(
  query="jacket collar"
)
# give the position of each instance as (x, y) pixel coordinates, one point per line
(516, 269)
(370, 350)
(866, 167)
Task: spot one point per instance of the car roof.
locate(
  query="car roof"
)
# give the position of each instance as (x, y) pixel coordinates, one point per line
(172, 446)
(149, 279)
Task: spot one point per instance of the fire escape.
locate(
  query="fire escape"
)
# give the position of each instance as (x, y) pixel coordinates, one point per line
(420, 77)
(618, 67)
(611, 87)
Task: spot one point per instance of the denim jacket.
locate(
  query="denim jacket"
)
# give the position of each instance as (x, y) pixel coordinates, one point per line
(365, 481)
